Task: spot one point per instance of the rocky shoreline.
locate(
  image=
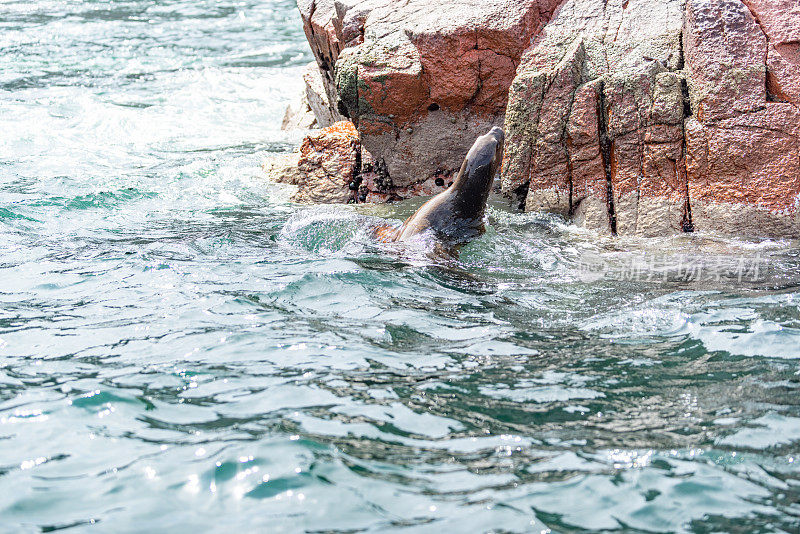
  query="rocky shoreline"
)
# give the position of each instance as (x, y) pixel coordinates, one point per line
(630, 117)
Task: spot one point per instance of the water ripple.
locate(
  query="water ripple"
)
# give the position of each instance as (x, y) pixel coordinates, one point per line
(184, 349)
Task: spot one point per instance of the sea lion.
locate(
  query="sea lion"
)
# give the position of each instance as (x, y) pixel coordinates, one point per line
(456, 215)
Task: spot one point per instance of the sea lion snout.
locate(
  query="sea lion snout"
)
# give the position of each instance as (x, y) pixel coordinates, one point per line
(497, 133)
(486, 151)
(480, 166)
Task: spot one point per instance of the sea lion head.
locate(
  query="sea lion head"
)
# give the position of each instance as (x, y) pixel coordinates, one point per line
(474, 180)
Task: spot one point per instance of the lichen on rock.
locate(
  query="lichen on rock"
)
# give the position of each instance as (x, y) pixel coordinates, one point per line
(328, 162)
(683, 129)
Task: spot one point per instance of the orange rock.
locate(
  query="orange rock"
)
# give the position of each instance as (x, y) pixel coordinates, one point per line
(329, 161)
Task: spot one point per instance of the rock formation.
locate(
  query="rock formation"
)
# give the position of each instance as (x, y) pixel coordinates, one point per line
(595, 117)
(421, 81)
(642, 117)
(743, 141)
(332, 167)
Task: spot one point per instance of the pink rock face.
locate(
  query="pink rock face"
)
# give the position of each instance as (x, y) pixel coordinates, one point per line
(743, 145)
(726, 50)
(594, 118)
(645, 117)
(421, 80)
(750, 159)
(779, 20)
(585, 167)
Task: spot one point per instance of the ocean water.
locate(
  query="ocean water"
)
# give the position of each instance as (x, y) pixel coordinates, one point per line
(183, 349)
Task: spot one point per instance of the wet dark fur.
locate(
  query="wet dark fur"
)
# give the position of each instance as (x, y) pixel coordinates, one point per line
(456, 215)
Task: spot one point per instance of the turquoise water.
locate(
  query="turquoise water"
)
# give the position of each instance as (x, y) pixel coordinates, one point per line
(183, 349)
